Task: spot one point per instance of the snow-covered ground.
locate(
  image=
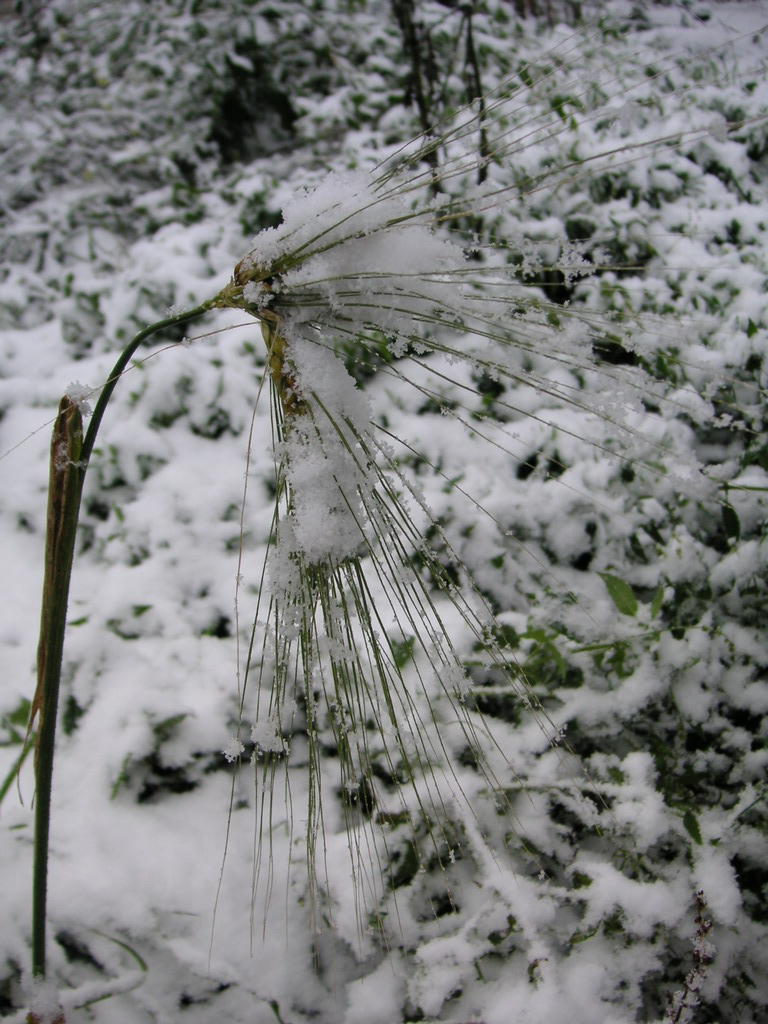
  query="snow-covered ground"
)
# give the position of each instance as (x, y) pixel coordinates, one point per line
(561, 389)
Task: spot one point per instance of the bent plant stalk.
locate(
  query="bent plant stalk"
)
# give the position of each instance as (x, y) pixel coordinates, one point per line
(287, 284)
(70, 453)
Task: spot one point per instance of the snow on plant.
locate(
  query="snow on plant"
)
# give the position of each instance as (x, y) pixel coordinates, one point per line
(358, 261)
(366, 264)
(346, 261)
(418, 665)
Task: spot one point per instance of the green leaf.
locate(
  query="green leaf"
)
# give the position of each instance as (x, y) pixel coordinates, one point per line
(402, 651)
(165, 729)
(657, 602)
(128, 949)
(731, 523)
(622, 595)
(580, 936)
(15, 768)
(691, 823)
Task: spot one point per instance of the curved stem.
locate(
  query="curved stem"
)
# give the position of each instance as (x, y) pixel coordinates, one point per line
(70, 452)
(122, 362)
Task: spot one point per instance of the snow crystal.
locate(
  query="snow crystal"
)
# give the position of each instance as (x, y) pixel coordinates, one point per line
(355, 248)
(326, 465)
(233, 749)
(79, 395)
(268, 737)
(572, 262)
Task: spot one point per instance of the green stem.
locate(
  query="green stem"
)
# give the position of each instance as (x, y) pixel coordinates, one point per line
(70, 452)
(122, 362)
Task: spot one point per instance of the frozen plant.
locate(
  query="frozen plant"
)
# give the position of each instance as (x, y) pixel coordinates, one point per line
(388, 622)
(349, 596)
(350, 634)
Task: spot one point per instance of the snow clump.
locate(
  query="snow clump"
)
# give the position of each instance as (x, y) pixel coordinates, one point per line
(353, 246)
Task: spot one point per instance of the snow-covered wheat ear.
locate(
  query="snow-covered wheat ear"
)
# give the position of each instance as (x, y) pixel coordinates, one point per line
(356, 649)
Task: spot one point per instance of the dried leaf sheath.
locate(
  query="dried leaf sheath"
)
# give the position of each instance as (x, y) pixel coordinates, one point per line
(64, 488)
(64, 491)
